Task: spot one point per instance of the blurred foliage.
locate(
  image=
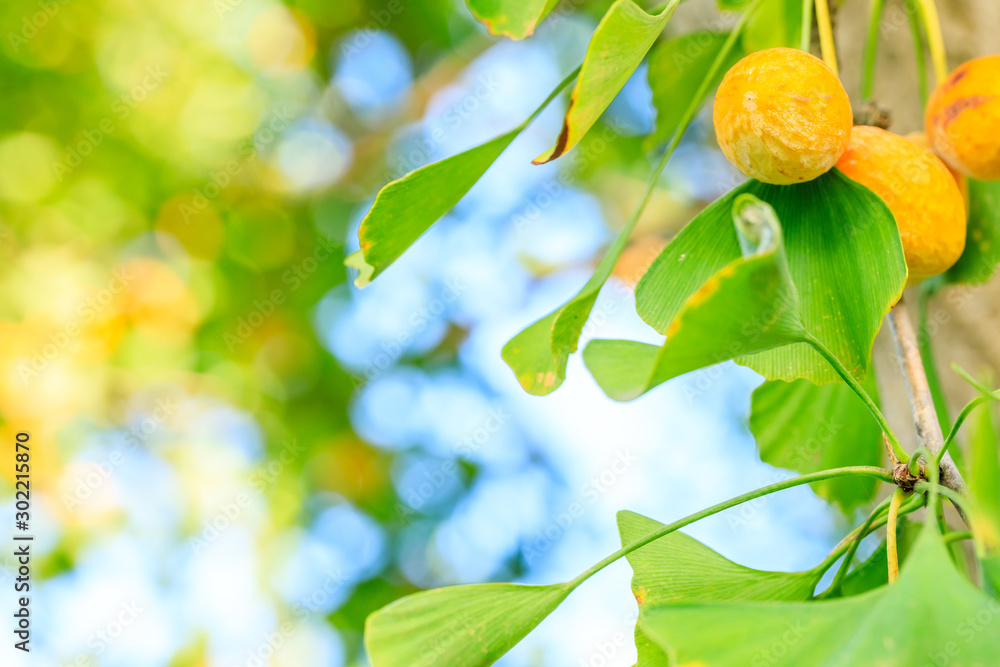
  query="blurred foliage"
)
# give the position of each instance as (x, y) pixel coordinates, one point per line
(177, 182)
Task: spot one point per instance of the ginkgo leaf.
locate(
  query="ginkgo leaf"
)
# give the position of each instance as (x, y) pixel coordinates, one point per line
(617, 47)
(928, 616)
(512, 18)
(984, 479)
(407, 207)
(805, 427)
(982, 241)
(747, 306)
(844, 256)
(678, 568)
(460, 626)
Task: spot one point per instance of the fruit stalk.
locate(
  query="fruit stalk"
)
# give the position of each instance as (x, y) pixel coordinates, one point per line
(921, 403)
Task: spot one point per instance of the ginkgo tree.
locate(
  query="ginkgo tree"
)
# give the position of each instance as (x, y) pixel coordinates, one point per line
(792, 274)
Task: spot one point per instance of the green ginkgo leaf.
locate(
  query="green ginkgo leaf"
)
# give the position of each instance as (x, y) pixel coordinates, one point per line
(806, 427)
(930, 616)
(982, 241)
(748, 305)
(619, 44)
(844, 257)
(459, 626)
(678, 568)
(407, 207)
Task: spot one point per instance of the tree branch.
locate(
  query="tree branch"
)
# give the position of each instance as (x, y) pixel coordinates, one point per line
(921, 403)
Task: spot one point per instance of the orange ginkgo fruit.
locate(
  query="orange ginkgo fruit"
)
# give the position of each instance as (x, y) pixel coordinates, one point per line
(920, 139)
(920, 192)
(963, 117)
(782, 116)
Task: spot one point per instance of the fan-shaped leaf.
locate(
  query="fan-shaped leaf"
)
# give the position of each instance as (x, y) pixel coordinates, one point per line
(407, 207)
(844, 256)
(460, 626)
(931, 615)
(747, 306)
(678, 568)
(806, 427)
(982, 242)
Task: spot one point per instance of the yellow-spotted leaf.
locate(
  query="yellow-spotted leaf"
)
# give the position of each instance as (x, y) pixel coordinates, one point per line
(748, 305)
(844, 257)
(511, 18)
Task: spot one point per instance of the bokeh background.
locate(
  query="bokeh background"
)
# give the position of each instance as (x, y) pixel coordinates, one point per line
(237, 455)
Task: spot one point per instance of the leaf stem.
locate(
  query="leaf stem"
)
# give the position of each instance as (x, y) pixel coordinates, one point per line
(555, 92)
(935, 41)
(690, 111)
(890, 534)
(987, 394)
(826, 43)
(957, 536)
(838, 366)
(868, 471)
(611, 256)
(962, 416)
(877, 519)
(912, 15)
(871, 46)
(961, 502)
(805, 38)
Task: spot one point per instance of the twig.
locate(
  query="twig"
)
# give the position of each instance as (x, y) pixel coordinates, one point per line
(921, 403)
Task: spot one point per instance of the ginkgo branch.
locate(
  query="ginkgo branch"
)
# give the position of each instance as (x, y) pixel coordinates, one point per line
(921, 403)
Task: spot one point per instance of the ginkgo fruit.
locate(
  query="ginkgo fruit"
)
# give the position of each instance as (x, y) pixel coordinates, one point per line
(920, 139)
(962, 118)
(918, 189)
(782, 116)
